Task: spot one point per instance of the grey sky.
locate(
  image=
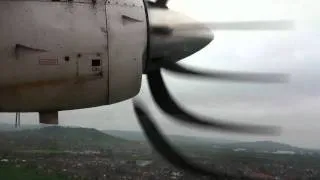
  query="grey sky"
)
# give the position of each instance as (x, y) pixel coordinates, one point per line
(294, 106)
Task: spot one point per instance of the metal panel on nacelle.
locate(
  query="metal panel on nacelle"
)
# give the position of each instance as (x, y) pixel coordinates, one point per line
(127, 35)
(46, 50)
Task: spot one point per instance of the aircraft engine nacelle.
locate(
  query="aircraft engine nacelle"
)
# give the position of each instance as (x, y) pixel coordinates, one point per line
(61, 55)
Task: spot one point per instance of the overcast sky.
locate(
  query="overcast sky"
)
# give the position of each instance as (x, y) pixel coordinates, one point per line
(294, 106)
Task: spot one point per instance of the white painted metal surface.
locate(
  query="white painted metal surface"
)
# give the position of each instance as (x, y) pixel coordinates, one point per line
(127, 35)
(49, 54)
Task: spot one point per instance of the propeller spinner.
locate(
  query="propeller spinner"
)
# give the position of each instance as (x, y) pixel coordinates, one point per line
(172, 37)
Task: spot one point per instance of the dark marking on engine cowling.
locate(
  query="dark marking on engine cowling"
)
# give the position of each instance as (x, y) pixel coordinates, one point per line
(104, 30)
(21, 49)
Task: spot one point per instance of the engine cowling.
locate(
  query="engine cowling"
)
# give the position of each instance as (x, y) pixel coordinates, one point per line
(70, 55)
(63, 55)
(127, 40)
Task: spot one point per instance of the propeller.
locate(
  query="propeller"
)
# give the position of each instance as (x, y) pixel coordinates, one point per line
(154, 136)
(158, 4)
(228, 75)
(172, 37)
(245, 25)
(164, 100)
(196, 28)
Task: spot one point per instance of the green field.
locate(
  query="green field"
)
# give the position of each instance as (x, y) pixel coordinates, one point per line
(19, 173)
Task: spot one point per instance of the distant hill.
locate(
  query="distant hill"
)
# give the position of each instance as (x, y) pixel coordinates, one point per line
(139, 136)
(128, 135)
(6, 127)
(59, 138)
(265, 146)
(10, 127)
(269, 146)
(71, 138)
(211, 143)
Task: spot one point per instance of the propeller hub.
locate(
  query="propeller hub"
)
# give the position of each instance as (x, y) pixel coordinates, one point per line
(171, 42)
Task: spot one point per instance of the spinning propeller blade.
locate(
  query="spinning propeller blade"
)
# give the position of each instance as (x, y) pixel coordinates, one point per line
(228, 76)
(154, 136)
(174, 36)
(164, 100)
